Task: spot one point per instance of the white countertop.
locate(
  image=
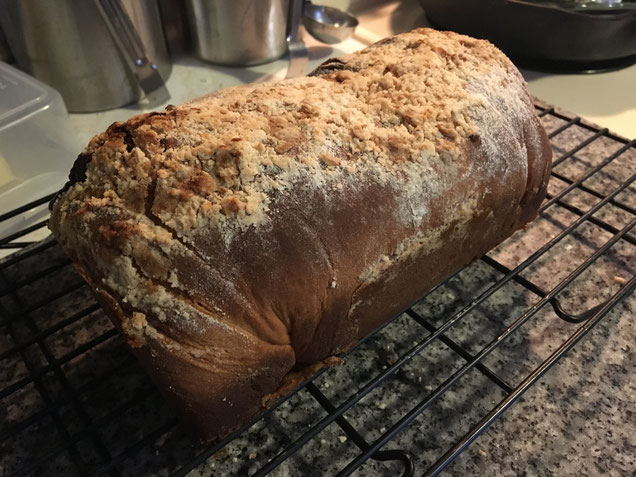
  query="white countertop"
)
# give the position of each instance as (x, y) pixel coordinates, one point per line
(607, 99)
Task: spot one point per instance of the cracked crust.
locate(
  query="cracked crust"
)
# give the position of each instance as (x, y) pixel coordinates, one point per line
(242, 239)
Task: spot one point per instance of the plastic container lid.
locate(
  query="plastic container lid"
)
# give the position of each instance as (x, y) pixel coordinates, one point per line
(37, 146)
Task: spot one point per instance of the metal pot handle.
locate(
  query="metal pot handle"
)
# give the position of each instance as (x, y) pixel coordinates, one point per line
(132, 48)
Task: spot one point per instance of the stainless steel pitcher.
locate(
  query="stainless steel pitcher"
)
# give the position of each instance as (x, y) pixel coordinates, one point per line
(238, 32)
(84, 49)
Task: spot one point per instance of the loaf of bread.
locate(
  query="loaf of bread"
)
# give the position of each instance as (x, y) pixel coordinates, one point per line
(243, 240)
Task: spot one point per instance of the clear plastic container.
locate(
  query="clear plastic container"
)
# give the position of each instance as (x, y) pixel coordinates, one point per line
(37, 146)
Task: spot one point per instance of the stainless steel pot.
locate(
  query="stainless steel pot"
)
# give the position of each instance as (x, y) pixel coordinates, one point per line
(238, 32)
(95, 53)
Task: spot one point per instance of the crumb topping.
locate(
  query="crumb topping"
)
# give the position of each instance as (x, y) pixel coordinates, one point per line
(397, 106)
(396, 113)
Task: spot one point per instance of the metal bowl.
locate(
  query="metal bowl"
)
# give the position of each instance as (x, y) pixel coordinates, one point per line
(327, 24)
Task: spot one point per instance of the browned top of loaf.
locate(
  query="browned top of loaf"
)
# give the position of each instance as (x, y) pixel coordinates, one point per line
(215, 159)
(397, 112)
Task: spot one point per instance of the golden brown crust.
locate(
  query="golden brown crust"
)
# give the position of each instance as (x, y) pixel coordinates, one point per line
(247, 235)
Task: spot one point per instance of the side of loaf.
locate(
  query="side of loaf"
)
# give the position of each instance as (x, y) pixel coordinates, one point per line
(244, 239)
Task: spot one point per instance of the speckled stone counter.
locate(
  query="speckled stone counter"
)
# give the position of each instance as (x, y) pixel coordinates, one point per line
(90, 403)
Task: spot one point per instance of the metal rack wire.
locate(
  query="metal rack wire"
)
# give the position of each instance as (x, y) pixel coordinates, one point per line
(77, 403)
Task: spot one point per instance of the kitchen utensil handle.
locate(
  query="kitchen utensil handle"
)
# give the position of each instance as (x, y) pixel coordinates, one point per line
(295, 18)
(297, 50)
(132, 48)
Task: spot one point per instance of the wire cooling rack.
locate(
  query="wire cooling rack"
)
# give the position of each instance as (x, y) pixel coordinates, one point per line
(408, 399)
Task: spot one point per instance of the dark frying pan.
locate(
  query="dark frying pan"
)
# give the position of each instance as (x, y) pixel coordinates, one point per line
(544, 36)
